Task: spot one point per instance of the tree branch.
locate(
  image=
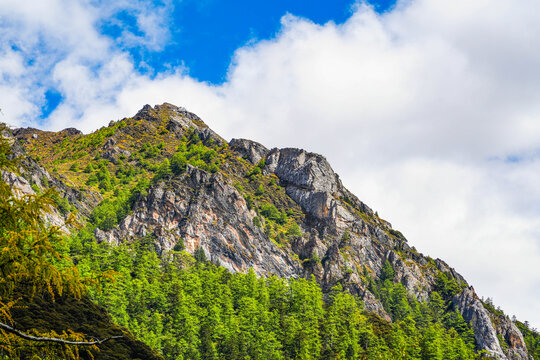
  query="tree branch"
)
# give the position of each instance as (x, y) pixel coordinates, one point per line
(11, 330)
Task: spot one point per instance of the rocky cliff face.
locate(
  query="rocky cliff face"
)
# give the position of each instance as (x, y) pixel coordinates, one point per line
(340, 239)
(199, 209)
(31, 179)
(489, 329)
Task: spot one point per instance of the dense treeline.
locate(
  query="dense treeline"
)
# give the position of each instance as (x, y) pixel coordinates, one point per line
(193, 309)
(531, 337)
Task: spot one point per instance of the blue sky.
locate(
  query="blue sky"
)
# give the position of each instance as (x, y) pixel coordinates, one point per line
(203, 35)
(428, 109)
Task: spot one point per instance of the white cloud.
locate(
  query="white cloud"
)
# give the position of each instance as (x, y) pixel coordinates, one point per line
(151, 22)
(56, 44)
(416, 109)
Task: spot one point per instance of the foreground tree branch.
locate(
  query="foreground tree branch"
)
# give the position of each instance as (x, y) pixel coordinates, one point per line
(11, 330)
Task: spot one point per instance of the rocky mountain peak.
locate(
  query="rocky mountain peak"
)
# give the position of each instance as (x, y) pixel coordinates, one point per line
(280, 212)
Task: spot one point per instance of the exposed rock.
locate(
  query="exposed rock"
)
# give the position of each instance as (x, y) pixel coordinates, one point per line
(71, 132)
(22, 133)
(21, 187)
(310, 181)
(112, 152)
(146, 113)
(411, 276)
(202, 210)
(445, 268)
(372, 304)
(180, 120)
(32, 173)
(517, 350)
(470, 306)
(249, 150)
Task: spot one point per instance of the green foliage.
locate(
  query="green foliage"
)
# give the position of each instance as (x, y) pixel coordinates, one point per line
(61, 203)
(102, 177)
(195, 154)
(36, 189)
(396, 234)
(163, 170)
(254, 172)
(531, 337)
(92, 180)
(315, 259)
(150, 151)
(430, 330)
(454, 320)
(347, 200)
(112, 211)
(193, 136)
(488, 304)
(139, 191)
(249, 202)
(270, 212)
(257, 221)
(178, 163)
(387, 272)
(199, 255)
(260, 190)
(30, 264)
(447, 286)
(293, 230)
(189, 308)
(179, 246)
(436, 306)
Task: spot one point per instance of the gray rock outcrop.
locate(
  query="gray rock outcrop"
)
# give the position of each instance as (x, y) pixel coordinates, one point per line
(474, 312)
(249, 150)
(202, 210)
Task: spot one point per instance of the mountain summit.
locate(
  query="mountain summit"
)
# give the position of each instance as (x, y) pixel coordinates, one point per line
(163, 175)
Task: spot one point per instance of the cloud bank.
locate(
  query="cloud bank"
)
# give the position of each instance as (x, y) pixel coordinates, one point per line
(430, 113)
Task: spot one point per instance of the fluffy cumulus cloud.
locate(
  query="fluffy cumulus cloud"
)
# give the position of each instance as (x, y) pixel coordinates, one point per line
(60, 45)
(428, 112)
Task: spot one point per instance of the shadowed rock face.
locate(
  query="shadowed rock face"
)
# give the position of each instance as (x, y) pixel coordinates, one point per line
(343, 241)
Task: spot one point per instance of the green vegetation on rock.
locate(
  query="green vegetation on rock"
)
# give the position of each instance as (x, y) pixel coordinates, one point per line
(186, 307)
(189, 308)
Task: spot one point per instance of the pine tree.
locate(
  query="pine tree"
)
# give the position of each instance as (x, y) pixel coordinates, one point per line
(31, 266)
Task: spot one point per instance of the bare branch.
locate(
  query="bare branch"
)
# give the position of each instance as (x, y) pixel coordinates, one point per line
(11, 330)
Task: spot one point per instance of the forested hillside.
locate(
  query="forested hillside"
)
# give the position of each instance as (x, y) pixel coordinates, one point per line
(189, 308)
(216, 250)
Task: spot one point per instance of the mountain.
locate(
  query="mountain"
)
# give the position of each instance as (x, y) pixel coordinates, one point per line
(164, 176)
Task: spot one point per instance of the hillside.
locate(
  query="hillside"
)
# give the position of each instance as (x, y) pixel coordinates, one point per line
(164, 192)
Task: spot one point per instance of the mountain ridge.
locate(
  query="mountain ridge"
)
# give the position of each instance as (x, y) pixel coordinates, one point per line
(278, 211)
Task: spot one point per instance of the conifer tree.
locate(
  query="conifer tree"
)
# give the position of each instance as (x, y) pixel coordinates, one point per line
(31, 266)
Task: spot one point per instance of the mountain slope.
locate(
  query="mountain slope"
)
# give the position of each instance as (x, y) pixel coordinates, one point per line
(164, 174)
